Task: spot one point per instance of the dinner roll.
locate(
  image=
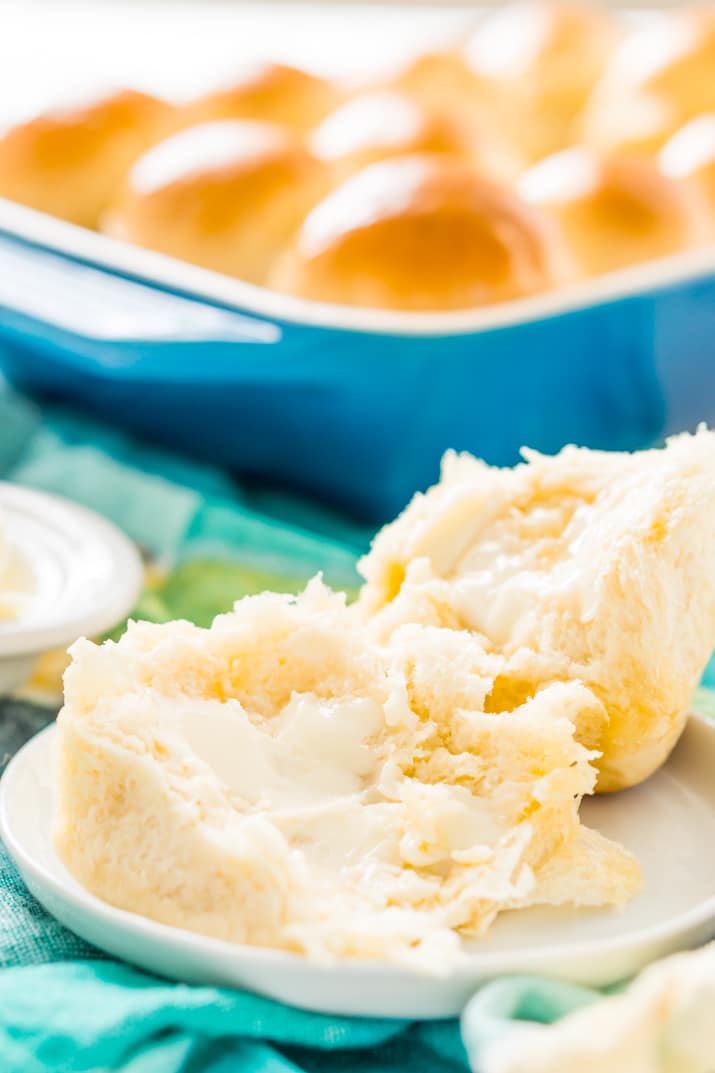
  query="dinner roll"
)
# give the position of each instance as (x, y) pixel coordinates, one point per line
(273, 92)
(225, 195)
(690, 155)
(443, 79)
(69, 162)
(550, 55)
(593, 566)
(662, 75)
(420, 233)
(614, 211)
(382, 124)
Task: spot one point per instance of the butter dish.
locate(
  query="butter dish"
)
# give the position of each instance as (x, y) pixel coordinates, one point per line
(64, 572)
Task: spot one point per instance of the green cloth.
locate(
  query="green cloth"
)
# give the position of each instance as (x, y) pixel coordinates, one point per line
(63, 1007)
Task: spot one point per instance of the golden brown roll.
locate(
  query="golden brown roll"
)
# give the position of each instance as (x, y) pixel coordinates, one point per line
(613, 212)
(690, 156)
(376, 126)
(443, 80)
(272, 92)
(420, 233)
(225, 195)
(550, 55)
(70, 162)
(662, 75)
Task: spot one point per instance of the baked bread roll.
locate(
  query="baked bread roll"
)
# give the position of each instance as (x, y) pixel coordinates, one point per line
(661, 1023)
(616, 211)
(549, 56)
(591, 565)
(442, 80)
(662, 75)
(272, 92)
(690, 156)
(70, 162)
(420, 233)
(225, 195)
(282, 780)
(383, 124)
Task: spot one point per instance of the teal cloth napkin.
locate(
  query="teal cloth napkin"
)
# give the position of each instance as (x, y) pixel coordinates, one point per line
(63, 1007)
(172, 508)
(106, 1016)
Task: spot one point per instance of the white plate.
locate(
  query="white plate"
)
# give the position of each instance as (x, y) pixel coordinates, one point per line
(669, 822)
(84, 576)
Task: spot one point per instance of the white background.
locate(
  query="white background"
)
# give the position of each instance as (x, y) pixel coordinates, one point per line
(51, 50)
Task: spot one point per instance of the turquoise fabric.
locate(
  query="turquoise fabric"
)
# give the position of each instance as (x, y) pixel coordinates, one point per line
(173, 508)
(63, 1007)
(103, 1015)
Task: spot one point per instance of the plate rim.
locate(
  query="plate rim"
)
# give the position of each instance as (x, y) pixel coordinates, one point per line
(121, 588)
(471, 966)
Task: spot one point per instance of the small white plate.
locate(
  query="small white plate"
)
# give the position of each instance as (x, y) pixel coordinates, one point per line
(83, 576)
(669, 822)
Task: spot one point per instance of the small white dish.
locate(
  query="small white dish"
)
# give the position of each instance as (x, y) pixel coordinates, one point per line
(669, 822)
(82, 575)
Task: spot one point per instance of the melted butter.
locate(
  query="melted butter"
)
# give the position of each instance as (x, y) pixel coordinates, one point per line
(315, 750)
(514, 567)
(310, 769)
(314, 770)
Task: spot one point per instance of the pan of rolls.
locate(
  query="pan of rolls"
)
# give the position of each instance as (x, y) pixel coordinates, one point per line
(327, 283)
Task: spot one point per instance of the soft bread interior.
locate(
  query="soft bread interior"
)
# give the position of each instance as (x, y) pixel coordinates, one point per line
(286, 779)
(590, 566)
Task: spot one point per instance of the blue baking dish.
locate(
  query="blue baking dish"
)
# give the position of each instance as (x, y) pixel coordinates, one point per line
(351, 405)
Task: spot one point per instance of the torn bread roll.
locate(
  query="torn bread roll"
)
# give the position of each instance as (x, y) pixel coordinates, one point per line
(284, 780)
(590, 566)
(661, 1024)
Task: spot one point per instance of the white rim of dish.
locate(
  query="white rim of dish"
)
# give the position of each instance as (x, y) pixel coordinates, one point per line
(115, 589)
(150, 267)
(484, 965)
